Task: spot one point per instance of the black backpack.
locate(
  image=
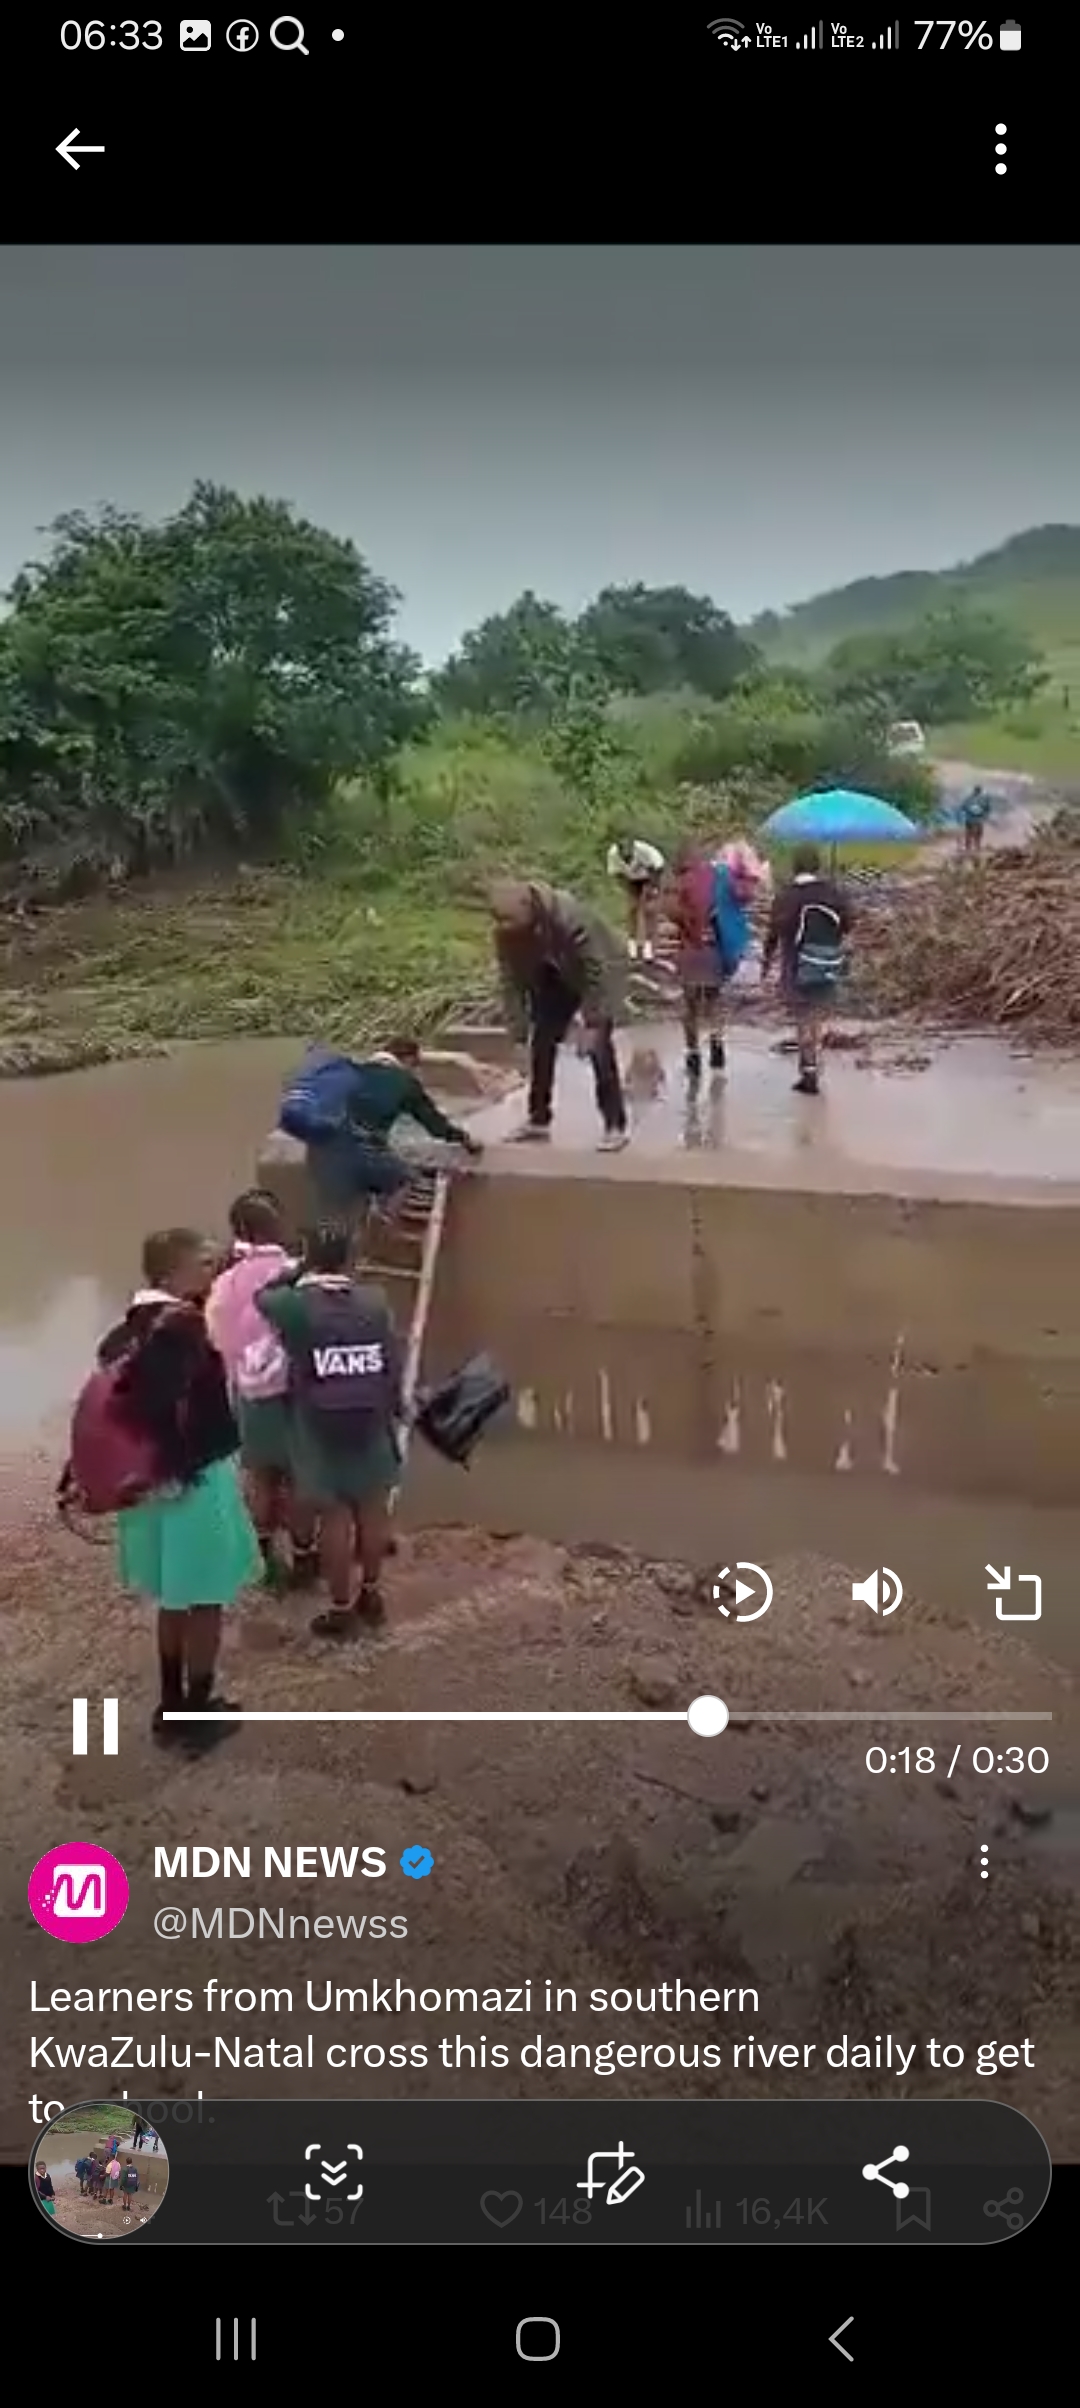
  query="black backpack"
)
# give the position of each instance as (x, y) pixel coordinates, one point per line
(819, 950)
(347, 1379)
(454, 1416)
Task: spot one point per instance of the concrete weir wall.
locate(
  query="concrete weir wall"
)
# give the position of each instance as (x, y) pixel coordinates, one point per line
(909, 1339)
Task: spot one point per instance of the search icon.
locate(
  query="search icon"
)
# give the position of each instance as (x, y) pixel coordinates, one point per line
(280, 44)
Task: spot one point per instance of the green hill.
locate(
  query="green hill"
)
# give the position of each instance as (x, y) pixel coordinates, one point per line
(1033, 580)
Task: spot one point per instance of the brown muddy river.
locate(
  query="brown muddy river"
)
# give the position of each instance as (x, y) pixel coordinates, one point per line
(94, 1161)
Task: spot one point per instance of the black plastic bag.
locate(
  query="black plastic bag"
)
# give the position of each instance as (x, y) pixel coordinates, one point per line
(454, 1416)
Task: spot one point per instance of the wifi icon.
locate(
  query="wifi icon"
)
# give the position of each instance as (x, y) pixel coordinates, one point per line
(726, 30)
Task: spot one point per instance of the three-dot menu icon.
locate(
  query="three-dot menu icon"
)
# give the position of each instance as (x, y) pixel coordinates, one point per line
(1000, 146)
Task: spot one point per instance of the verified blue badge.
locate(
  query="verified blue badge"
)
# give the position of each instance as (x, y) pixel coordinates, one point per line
(417, 1863)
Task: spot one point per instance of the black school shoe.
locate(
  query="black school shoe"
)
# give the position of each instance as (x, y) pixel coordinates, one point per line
(199, 1737)
(808, 1083)
(166, 1734)
(693, 1066)
(717, 1056)
(339, 1622)
(346, 1623)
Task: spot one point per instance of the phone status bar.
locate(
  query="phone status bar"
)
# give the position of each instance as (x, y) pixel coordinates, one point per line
(959, 34)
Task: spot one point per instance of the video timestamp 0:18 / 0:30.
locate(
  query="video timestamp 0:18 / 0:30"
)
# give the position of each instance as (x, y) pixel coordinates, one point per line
(983, 1760)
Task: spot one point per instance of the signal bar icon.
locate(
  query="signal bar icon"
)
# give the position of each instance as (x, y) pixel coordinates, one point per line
(814, 40)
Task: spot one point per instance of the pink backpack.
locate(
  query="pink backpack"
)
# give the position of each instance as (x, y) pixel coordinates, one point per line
(254, 1358)
(262, 1372)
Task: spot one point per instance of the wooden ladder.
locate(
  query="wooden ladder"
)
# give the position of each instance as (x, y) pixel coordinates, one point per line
(418, 1228)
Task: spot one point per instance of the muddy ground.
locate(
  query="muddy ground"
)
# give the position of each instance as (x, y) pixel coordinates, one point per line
(595, 1856)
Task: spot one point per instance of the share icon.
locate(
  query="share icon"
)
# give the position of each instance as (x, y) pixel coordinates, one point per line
(879, 2173)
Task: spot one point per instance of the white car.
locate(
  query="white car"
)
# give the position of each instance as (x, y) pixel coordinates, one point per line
(906, 739)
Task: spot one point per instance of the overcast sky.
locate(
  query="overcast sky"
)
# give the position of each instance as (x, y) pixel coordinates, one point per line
(757, 424)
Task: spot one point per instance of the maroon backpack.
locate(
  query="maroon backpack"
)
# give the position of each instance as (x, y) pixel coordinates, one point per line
(111, 1465)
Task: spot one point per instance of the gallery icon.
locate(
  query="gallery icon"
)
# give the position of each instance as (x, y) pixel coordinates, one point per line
(195, 33)
(78, 1892)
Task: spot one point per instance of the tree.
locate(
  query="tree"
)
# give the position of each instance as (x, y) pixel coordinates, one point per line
(953, 664)
(166, 685)
(519, 663)
(583, 747)
(650, 639)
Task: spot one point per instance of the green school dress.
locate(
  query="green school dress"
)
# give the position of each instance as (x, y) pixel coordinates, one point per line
(323, 1478)
(197, 1547)
(265, 1425)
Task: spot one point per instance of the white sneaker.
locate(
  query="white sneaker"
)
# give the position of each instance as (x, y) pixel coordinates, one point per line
(646, 953)
(613, 1141)
(632, 949)
(529, 1134)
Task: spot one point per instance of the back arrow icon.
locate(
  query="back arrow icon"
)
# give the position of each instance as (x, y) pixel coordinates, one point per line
(838, 2344)
(71, 143)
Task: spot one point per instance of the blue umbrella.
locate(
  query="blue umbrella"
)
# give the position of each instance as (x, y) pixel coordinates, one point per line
(840, 817)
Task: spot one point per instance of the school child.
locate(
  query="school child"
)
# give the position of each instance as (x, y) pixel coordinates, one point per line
(809, 924)
(43, 2185)
(80, 2175)
(345, 1368)
(112, 2176)
(639, 869)
(344, 1112)
(129, 2179)
(257, 1369)
(188, 1544)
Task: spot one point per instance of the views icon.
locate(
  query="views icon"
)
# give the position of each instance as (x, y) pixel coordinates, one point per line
(78, 1893)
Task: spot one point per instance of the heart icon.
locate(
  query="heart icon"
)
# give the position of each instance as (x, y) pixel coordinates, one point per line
(501, 2207)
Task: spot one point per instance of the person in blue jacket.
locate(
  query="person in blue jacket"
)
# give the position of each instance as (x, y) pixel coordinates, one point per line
(737, 876)
(352, 1162)
(974, 813)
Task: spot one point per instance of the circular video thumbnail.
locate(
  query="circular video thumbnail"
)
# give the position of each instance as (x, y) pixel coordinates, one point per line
(99, 2171)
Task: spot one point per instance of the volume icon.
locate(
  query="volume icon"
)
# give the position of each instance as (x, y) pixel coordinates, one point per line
(881, 1591)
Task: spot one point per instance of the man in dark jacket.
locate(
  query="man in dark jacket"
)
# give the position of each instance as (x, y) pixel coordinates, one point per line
(809, 922)
(559, 963)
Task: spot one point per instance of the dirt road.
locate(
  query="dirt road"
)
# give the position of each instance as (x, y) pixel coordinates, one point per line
(1024, 804)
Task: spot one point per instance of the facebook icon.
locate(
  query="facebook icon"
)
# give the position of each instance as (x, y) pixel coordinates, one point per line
(243, 35)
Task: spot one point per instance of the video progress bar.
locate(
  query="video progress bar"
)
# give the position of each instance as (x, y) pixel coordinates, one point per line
(736, 1714)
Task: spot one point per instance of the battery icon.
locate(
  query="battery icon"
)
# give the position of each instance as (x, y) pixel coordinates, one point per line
(1009, 34)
